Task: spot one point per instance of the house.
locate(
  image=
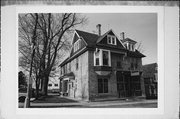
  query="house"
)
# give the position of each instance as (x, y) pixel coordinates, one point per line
(53, 85)
(150, 80)
(102, 66)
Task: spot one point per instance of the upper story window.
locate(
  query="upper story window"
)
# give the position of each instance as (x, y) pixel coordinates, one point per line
(97, 55)
(130, 46)
(77, 63)
(105, 58)
(102, 58)
(111, 40)
(77, 45)
(119, 64)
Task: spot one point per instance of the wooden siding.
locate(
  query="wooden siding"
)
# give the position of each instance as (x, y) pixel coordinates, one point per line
(82, 43)
(104, 41)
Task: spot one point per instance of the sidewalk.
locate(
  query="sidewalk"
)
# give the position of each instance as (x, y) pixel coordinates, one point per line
(57, 102)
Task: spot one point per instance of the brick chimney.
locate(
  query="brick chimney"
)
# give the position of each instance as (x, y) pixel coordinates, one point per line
(98, 26)
(122, 36)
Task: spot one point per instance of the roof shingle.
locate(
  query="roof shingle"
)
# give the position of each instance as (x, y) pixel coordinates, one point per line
(89, 38)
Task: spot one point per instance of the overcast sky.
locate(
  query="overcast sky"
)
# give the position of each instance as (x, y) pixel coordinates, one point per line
(141, 27)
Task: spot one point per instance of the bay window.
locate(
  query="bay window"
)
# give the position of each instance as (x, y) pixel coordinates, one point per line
(105, 58)
(102, 58)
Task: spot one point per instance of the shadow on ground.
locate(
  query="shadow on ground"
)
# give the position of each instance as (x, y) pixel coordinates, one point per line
(54, 99)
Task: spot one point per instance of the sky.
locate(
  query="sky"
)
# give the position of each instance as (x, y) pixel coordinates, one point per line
(141, 27)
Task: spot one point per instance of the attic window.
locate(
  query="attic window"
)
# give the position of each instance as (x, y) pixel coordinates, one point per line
(77, 45)
(111, 40)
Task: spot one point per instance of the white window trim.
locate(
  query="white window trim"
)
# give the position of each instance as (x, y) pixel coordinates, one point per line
(111, 36)
(101, 58)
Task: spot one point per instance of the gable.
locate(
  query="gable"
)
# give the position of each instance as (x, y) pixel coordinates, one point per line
(81, 44)
(105, 41)
(75, 38)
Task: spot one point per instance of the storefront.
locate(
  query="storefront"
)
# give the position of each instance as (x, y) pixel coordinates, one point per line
(128, 84)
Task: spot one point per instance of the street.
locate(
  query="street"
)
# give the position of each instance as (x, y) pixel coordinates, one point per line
(55, 101)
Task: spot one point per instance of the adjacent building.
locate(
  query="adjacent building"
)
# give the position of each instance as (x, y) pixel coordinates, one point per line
(102, 66)
(53, 85)
(150, 80)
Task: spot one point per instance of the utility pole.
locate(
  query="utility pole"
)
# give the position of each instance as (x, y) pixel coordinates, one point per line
(33, 48)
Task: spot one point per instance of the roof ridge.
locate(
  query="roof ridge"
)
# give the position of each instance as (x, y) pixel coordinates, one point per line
(86, 32)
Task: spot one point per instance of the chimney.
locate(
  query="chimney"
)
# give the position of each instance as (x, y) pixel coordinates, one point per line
(122, 35)
(98, 26)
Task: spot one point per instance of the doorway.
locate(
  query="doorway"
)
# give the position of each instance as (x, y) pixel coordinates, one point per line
(124, 85)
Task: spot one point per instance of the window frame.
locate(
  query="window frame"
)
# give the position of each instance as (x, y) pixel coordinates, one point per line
(110, 41)
(104, 85)
(101, 57)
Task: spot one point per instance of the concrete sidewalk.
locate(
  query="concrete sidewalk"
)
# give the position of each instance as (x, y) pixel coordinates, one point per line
(68, 102)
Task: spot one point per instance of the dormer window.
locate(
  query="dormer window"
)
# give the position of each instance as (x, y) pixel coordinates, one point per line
(77, 45)
(111, 40)
(130, 46)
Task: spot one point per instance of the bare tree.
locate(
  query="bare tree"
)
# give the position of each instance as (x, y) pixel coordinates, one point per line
(52, 35)
(140, 47)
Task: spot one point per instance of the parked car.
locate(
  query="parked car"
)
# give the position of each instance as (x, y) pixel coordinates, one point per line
(23, 94)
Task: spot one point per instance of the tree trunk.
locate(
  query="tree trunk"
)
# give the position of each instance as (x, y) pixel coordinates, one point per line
(37, 87)
(45, 85)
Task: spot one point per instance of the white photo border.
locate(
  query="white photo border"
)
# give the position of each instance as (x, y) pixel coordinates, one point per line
(168, 65)
(106, 9)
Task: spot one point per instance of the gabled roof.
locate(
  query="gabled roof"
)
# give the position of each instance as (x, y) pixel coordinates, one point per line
(101, 37)
(92, 40)
(89, 38)
(129, 40)
(135, 53)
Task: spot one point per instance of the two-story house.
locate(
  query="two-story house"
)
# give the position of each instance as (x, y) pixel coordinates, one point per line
(102, 66)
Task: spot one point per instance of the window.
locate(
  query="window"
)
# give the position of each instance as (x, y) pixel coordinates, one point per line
(102, 85)
(102, 58)
(119, 64)
(111, 40)
(56, 85)
(61, 71)
(97, 58)
(105, 58)
(77, 63)
(77, 45)
(132, 47)
(49, 85)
